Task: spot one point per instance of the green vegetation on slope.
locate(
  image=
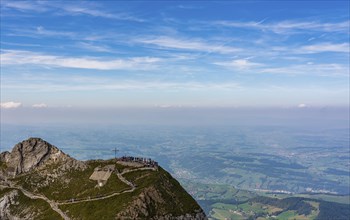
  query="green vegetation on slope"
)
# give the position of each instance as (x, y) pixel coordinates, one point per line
(25, 207)
(177, 200)
(73, 184)
(100, 209)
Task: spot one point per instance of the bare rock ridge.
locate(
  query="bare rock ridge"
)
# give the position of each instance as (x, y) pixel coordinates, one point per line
(35, 152)
(5, 203)
(39, 181)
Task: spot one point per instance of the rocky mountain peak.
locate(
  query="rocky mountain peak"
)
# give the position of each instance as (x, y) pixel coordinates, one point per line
(32, 153)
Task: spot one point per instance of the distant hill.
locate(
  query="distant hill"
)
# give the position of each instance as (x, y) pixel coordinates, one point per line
(39, 181)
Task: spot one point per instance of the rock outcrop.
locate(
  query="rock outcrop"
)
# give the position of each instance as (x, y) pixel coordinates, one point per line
(5, 202)
(33, 153)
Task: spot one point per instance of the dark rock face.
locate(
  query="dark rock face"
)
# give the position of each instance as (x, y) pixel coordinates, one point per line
(5, 156)
(29, 154)
(32, 153)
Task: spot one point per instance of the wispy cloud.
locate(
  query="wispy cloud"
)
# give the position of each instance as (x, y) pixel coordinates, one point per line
(9, 105)
(41, 105)
(189, 7)
(325, 47)
(16, 57)
(22, 5)
(83, 10)
(241, 64)
(322, 47)
(93, 47)
(302, 105)
(289, 26)
(42, 31)
(72, 9)
(98, 85)
(328, 69)
(188, 44)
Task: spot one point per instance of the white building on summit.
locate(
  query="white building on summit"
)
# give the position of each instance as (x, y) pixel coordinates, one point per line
(101, 175)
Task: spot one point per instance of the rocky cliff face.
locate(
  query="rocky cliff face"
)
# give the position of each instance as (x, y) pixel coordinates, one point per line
(33, 153)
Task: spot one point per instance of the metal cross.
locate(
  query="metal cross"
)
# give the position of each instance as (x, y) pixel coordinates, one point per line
(115, 153)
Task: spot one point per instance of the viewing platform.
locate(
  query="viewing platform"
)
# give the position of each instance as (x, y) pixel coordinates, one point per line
(137, 161)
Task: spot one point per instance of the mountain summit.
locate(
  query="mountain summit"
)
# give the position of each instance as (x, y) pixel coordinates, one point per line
(39, 181)
(33, 153)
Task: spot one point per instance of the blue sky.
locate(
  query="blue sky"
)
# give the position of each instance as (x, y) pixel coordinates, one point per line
(108, 54)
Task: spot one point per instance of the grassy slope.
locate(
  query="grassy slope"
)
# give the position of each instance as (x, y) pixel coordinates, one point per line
(79, 185)
(161, 180)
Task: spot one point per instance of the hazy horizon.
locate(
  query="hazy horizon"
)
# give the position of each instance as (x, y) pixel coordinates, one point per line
(180, 116)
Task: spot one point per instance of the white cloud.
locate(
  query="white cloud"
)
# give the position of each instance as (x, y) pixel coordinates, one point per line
(164, 106)
(8, 105)
(314, 48)
(80, 10)
(325, 47)
(17, 57)
(239, 64)
(42, 31)
(92, 47)
(22, 6)
(289, 26)
(249, 24)
(311, 26)
(102, 85)
(302, 105)
(328, 69)
(41, 105)
(90, 9)
(189, 44)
